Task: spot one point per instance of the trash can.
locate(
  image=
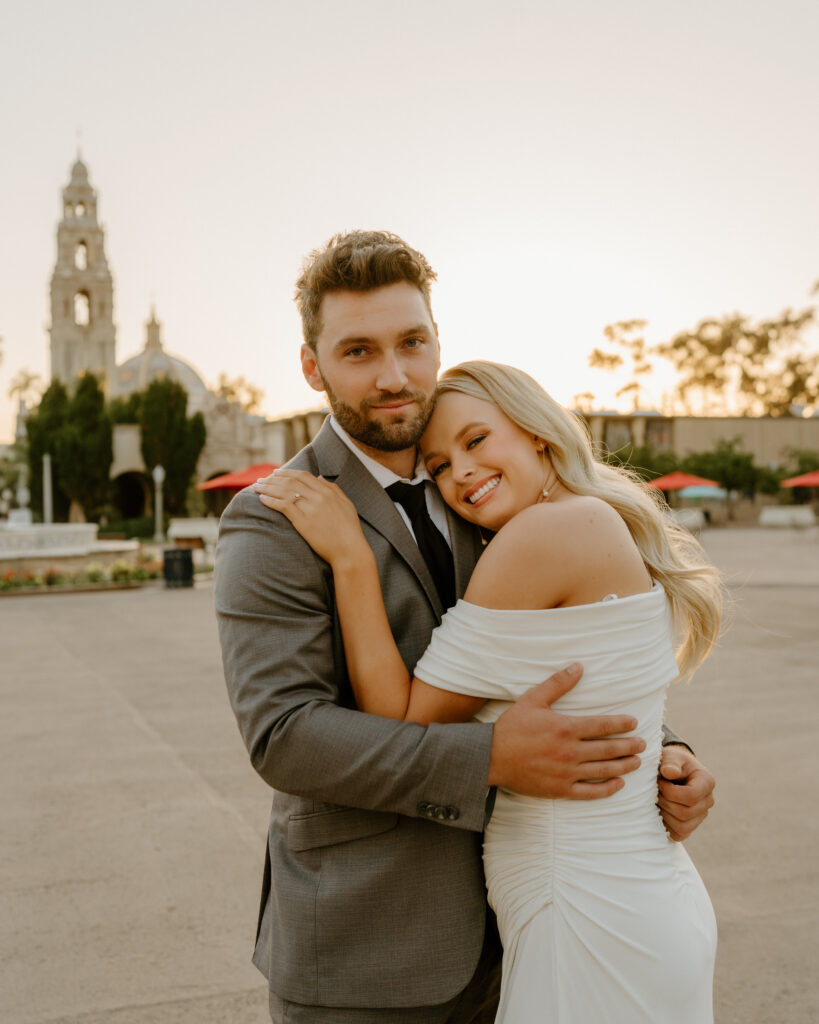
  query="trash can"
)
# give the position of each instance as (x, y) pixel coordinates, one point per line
(177, 567)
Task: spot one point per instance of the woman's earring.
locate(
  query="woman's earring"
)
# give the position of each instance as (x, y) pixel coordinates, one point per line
(544, 494)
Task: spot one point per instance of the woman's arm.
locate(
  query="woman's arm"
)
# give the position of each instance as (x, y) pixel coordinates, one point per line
(328, 521)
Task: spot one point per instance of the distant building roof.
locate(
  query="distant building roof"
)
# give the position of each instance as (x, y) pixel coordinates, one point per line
(154, 363)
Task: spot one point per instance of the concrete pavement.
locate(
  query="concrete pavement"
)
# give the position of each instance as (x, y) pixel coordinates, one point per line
(133, 826)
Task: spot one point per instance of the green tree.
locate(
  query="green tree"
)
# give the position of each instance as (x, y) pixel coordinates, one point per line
(85, 449)
(24, 385)
(171, 439)
(628, 336)
(754, 367)
(126, 410)
(731, 468)
(240, 390)
(802, 460)
(44, 427)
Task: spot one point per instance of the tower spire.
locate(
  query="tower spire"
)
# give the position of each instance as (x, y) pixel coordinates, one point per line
(83, 338)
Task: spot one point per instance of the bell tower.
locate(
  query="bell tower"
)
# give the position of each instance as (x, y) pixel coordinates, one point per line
(83, 338)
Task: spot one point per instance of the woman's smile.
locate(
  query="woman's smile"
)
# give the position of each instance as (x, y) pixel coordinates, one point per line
(476, 494)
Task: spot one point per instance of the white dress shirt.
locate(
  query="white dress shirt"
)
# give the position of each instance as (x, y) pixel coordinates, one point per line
(385, 477)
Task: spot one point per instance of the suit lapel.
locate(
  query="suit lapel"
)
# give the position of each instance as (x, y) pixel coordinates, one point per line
(336, 462)
(466, 549)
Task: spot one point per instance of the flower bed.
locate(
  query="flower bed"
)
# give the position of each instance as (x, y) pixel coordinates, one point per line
(93, 576)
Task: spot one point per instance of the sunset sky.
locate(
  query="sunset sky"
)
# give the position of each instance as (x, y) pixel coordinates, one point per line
(561, 164)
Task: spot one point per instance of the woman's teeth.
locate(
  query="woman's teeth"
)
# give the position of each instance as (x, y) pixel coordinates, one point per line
(490, 485)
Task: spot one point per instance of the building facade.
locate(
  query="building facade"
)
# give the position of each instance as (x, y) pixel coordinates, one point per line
(770, 439)
(83, 340)
(82, 333)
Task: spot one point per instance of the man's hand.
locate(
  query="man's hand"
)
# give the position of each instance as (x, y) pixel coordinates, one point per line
(686, 791)
(538, 752)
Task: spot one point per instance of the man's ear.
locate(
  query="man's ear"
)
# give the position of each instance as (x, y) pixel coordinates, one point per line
(438, 340)
(309, 367)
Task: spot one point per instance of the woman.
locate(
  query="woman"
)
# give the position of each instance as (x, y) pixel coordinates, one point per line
(602, 917)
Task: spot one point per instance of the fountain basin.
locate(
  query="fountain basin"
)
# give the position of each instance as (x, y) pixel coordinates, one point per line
(65, 547)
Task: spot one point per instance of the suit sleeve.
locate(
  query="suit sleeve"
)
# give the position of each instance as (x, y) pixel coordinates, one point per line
(670, 738)
(273, 606)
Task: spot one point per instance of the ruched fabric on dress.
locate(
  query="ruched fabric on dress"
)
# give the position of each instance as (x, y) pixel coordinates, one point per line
(603, 918)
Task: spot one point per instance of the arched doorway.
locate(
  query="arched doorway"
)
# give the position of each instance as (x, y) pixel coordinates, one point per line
(132, 495)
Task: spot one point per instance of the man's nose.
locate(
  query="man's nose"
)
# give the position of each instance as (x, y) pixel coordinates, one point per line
(391, 375)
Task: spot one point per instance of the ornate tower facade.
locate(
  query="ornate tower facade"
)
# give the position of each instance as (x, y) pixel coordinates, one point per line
(83, 337)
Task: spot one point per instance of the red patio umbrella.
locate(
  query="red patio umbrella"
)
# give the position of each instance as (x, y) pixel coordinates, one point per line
(677, 480)
(805, 480)
(239, 479)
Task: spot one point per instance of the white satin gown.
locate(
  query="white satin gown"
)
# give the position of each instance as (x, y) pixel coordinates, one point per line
(603, 919)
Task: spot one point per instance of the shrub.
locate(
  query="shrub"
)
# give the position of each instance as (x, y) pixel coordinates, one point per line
(120, 571)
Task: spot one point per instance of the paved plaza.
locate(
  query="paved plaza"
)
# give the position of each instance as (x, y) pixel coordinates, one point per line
(133, 827)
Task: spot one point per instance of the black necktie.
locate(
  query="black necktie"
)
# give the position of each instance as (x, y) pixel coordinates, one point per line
(431, 543)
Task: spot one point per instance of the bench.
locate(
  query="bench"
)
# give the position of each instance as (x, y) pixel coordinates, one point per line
(799, 516)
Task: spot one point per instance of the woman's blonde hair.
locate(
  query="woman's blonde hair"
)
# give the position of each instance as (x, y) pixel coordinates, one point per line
(672, 556)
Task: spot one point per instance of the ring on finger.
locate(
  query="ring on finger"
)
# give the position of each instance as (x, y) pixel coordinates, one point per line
(297, 497)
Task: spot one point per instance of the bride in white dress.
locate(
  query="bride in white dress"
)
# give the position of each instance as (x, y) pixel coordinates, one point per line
(602, 917)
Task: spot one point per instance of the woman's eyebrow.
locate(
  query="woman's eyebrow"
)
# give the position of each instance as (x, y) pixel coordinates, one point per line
(464, 430)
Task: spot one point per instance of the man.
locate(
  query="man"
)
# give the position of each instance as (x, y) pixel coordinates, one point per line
(373, 906)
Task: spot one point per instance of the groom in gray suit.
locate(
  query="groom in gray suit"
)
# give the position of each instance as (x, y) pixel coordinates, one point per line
(373, 905)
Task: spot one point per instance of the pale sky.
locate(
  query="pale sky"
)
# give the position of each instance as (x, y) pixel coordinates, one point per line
(561, 164)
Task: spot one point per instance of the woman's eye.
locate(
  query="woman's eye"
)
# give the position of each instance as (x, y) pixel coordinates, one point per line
(475, 440)
(434, 473)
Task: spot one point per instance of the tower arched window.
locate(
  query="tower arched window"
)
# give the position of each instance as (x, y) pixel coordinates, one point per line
(79, 210)
(81, 256)
(82, 309)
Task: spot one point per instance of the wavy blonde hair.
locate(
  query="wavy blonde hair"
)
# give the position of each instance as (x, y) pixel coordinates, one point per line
(672, 556)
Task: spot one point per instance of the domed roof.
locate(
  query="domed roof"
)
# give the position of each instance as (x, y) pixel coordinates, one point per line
(154, 363)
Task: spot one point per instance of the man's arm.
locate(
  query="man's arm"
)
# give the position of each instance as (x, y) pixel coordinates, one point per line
(273, 605)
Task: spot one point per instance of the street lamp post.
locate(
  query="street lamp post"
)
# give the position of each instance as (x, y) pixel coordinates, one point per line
(48, 491)
(159, 478)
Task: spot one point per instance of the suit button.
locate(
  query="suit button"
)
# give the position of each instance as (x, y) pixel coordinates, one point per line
(440, 813)
(452, 813)
(425, 809)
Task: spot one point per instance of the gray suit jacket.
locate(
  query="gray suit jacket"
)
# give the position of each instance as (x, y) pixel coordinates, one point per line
(373, 892)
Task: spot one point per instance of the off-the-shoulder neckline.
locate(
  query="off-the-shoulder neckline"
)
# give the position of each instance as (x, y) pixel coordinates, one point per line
(607, 602)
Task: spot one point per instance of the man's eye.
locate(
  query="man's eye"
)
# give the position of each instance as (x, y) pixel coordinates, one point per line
(434, 473)
(414, 342)
(357, 351)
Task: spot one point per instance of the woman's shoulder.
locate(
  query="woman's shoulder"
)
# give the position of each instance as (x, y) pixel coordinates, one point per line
(538, 558)
(575, 516)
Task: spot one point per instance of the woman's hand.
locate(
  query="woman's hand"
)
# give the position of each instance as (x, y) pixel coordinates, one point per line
(320, 511)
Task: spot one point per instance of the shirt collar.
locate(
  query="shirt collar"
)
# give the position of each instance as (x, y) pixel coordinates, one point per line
(382, 475)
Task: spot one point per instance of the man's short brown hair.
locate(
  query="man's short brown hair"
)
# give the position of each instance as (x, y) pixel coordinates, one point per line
(357, 261)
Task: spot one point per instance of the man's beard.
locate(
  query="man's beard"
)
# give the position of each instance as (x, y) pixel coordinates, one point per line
(383, 437)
